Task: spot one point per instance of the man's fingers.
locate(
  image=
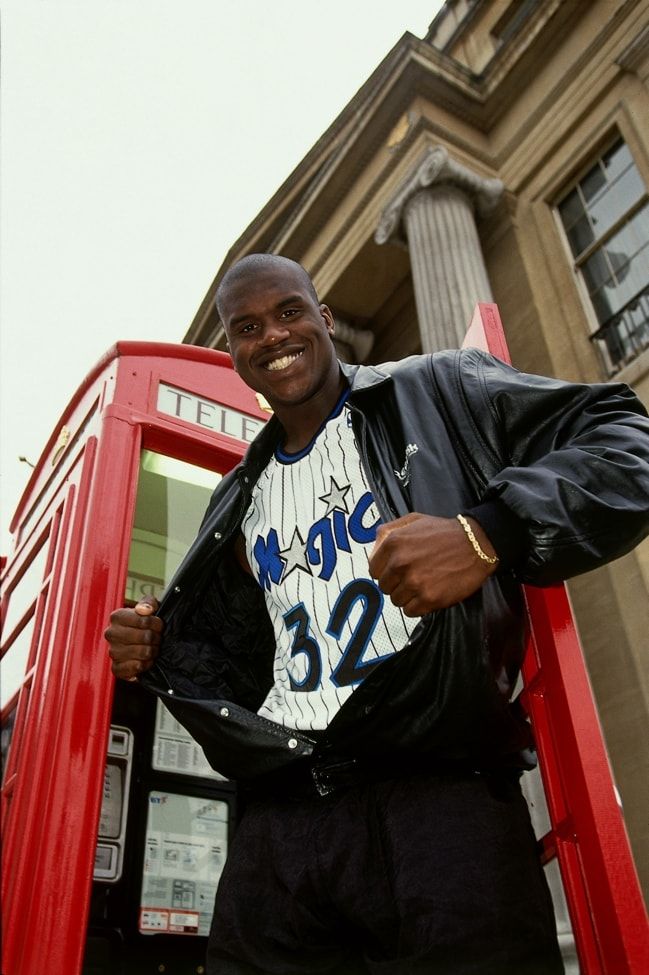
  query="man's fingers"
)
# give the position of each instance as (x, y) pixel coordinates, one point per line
(378, 557)
(130, 669)
(146, 606)
(129, 636)
(414, 607)
(129, 619)
(134, 637)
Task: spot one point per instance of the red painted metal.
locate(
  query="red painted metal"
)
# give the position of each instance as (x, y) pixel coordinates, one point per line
(587, 834)
(85, 497)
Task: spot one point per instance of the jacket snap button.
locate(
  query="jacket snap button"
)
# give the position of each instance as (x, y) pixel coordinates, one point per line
(224, 712)
(246, 479)
(217, 535)
(176, 588)
(292, 743)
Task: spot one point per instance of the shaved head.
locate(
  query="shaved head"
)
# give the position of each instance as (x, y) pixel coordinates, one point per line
(254, 264)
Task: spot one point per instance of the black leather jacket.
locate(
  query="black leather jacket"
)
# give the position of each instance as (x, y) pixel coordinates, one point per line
(557, 473)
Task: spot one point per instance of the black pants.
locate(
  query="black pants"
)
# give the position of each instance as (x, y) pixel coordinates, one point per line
(421, 874)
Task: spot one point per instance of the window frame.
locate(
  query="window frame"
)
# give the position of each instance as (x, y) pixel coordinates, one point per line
(596, 328)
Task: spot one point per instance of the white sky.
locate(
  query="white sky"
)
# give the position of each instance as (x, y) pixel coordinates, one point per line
(139, 139)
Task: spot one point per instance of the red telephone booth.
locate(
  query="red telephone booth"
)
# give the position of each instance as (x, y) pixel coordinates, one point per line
(103, 852)
(115, 829)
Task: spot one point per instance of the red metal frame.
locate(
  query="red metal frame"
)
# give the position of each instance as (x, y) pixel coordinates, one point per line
(587, 834)
(53, 784)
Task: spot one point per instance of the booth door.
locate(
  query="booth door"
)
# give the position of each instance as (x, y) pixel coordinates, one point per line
(166, 816)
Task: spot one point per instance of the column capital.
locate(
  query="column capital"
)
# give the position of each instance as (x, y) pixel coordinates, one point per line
(437, 167)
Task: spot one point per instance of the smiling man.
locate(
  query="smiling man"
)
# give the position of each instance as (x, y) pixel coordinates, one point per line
(344, 636)
(279, 336)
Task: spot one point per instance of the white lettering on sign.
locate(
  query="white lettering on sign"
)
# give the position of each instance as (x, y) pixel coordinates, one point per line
(207, 413)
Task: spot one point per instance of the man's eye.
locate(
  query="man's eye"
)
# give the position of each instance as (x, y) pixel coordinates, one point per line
(289, 312)
(247, 327)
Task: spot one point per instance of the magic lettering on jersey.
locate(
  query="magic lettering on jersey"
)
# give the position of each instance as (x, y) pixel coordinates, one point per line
(317, 554)
(309, 530)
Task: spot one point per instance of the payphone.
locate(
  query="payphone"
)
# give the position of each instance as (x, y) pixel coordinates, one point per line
(111, 835)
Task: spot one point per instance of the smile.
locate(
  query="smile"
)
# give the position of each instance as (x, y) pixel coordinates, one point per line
(282, 363)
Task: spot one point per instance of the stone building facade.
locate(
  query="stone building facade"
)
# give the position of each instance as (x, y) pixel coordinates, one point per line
(504, 156)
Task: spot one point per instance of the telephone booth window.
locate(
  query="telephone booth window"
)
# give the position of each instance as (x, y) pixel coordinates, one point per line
(18, 625)
(5, 739)
(171, 500)
(186, 835)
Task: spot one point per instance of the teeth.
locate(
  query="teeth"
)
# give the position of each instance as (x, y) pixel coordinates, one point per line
(282, 363)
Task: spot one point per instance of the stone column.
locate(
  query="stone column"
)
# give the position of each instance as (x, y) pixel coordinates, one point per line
(434, 211)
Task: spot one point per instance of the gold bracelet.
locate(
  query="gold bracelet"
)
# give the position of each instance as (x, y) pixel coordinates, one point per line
(475, 543)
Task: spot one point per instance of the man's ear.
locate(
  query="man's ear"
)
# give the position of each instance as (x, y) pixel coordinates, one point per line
(329, 319)
(227, 346)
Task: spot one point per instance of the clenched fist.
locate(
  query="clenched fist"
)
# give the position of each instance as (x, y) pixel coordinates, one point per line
(134, 638)
(425, 563)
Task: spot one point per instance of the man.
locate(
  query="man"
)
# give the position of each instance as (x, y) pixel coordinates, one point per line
(344, 635)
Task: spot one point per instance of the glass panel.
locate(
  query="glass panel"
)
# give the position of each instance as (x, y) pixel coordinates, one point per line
(639, 271)
(602, 303)
(571, 209)
(617, 199)
(617, 159)
(633, 235)
(5, 738)
(616, 273)
(593, 182)
(564, 929)
(25, 591)
(14, 663)
(532, 787)
(171, 500)
(580, 236)
(597, 270)
(609, 190)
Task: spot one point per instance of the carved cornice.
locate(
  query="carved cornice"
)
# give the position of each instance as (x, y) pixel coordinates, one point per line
(438, 167)
(636, 54)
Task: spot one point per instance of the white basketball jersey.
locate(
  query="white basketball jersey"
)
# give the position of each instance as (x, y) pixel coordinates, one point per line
(309, 531)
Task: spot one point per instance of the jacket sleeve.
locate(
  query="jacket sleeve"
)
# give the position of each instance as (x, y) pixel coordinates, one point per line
(571, 463)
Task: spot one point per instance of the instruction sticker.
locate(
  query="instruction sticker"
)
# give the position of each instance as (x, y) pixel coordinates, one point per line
(174, 749)
(186, 848)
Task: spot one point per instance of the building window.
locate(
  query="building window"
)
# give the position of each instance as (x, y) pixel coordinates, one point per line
(513, 18)
(606, 219)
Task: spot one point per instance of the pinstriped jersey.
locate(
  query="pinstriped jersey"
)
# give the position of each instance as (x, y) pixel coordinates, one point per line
(309, 532)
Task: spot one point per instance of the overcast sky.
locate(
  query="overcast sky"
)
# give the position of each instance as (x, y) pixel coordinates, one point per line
(139, 139)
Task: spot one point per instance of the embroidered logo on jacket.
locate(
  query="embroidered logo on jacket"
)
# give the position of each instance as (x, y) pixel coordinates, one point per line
(404, 473)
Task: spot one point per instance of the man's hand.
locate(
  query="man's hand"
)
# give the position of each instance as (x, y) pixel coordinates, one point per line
(134, 637)
(425, 563)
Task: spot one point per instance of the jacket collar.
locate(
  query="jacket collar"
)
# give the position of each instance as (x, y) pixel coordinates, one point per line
(361, 378)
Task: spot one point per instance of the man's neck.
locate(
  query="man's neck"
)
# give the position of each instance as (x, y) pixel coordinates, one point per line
(301, 423)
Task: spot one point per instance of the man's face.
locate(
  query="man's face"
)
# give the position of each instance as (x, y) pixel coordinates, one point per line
(280, 338)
